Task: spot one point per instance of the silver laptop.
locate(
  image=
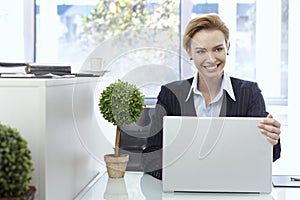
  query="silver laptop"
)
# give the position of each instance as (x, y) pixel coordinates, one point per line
(215, 155)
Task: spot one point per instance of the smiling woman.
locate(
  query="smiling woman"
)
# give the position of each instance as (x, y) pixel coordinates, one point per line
(211, 92)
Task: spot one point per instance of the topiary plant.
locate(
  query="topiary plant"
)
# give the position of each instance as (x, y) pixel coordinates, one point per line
(15, 163)
(121, 103)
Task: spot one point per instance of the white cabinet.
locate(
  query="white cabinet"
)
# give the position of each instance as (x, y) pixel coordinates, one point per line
(56, 117)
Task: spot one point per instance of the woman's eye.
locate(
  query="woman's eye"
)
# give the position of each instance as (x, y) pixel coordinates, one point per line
(219, 49)
(200, 52)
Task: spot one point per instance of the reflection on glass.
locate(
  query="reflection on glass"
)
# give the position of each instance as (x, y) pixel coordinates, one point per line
(116, 189)
(151, 187)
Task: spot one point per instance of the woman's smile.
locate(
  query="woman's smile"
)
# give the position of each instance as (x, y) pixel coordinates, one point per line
(211, 68)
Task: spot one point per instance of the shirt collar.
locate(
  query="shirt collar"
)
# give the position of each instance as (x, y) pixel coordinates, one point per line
(225, 85)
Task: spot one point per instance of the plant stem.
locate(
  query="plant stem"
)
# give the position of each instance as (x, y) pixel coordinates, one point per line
(117, 141)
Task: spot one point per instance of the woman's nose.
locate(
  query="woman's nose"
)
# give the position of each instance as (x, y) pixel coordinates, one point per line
(211, 57)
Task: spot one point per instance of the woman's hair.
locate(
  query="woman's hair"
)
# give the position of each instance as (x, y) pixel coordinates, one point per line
(207, 21)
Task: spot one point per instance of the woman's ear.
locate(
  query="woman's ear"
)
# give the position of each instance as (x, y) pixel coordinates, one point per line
(188, 51)
(228, 46)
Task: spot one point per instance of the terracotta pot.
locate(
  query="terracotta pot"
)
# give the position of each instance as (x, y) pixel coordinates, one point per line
(29, 195)
(116, 165)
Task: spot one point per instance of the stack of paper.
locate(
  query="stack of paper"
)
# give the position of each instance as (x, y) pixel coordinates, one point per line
(32, 69)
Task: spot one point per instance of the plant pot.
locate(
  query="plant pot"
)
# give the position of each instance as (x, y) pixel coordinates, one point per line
(116, 165)
(29, 195)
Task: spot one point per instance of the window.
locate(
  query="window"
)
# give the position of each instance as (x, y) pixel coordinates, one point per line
(57, 31)
(17, 31)
(117, 38)
(253, 54)
(60, 26)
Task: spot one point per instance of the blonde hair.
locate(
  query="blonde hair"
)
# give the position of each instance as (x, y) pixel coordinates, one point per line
(206, 21)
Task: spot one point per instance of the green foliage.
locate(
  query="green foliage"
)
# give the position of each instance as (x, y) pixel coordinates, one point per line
(111, 17)
(15, 163)
(121, 103)
(114, 16)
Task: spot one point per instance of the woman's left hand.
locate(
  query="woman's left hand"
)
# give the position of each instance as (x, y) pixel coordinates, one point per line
(271, 128)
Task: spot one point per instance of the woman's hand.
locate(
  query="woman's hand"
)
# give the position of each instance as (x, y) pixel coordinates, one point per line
(271, 128)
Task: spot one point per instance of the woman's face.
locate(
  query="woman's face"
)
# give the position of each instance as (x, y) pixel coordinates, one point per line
(208, 50)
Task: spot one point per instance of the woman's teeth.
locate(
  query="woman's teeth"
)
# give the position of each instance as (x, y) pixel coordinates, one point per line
(211, 67)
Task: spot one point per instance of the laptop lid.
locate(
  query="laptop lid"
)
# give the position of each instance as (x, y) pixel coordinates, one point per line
(222, 154)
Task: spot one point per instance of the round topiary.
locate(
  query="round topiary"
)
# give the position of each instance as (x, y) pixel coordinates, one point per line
(121, 103)
(15, 163)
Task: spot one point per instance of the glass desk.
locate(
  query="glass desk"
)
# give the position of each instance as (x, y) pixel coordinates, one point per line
(139, 186)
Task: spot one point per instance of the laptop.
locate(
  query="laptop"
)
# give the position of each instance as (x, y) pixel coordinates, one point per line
(222, 154)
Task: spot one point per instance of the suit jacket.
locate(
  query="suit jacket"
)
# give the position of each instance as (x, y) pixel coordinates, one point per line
(171, 101)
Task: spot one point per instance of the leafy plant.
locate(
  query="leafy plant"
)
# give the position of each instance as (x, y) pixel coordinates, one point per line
(15, 163)
(121, 103)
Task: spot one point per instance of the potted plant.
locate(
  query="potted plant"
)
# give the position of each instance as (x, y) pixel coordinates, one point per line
(16, 166)
(120, 103)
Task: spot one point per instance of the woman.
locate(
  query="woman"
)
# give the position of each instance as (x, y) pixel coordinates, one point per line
(211, 92)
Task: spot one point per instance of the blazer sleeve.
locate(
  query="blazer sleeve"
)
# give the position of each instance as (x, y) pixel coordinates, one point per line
(152, 154)
(257, 105)
(250, 94)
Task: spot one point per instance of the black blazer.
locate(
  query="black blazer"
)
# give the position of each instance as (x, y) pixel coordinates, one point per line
(171, 101)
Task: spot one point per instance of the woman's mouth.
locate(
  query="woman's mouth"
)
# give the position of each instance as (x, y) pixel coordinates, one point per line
(211, 68)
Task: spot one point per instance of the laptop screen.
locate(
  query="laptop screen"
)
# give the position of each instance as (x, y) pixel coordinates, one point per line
(222, 154)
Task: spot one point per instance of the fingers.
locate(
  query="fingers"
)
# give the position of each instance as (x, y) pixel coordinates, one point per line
(272, 137)
(272, 141)
(271, 128)
(270, 121)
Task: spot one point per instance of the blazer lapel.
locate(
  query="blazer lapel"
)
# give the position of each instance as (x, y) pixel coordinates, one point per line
(188, 107)
(227, 108)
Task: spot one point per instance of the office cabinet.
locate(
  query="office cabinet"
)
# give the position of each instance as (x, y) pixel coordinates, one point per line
(55, 116)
